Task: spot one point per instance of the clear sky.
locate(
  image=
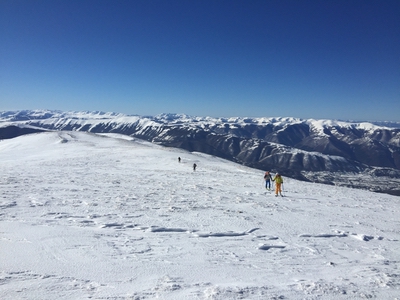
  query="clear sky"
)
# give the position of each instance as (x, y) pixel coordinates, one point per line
(337, 59)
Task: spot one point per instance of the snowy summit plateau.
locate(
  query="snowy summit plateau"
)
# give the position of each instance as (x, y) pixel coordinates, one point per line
(90, 212)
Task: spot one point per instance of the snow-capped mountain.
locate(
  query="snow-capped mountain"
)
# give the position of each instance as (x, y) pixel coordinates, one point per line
(328, 151)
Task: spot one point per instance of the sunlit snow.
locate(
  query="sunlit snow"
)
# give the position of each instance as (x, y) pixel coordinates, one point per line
(87, 216)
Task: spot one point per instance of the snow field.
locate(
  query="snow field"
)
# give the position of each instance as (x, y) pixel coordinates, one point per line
(85, 216)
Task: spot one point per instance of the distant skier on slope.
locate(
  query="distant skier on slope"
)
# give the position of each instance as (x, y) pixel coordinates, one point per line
(267, 178)
(278, 184)
(194, 167)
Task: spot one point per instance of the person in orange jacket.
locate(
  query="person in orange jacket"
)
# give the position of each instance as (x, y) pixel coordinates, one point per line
(278, 184)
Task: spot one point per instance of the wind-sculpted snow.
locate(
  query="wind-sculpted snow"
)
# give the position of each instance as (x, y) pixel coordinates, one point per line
(225, 234)
(268, 247)
(88, 216)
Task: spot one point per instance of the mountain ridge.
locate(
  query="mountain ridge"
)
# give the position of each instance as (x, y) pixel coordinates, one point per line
(21, 115)
(305, 149)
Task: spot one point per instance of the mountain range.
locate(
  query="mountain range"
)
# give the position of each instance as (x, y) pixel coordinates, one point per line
(354, 154)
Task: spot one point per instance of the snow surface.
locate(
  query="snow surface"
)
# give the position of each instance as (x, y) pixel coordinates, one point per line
(87, 216)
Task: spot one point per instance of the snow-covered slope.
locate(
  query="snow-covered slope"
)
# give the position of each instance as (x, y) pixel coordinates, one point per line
(326, 151)
(85, 216)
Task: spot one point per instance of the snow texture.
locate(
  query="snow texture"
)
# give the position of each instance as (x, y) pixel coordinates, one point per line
(87, 216)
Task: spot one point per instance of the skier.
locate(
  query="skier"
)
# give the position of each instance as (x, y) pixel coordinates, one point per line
(278, 184)
(194, 167)
(179, 159)
(267, 178)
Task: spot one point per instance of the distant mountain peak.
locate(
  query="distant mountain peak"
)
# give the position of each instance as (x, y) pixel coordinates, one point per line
(299, 148)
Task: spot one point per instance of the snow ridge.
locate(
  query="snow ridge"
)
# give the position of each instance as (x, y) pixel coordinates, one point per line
(172, 118)
(292, 146)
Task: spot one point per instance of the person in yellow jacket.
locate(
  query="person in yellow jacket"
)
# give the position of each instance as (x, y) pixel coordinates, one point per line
(278, 184)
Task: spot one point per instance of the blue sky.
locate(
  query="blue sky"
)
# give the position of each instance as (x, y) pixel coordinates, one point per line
(309, 59)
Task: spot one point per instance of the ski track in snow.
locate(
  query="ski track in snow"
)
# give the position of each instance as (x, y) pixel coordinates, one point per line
(86, 216)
